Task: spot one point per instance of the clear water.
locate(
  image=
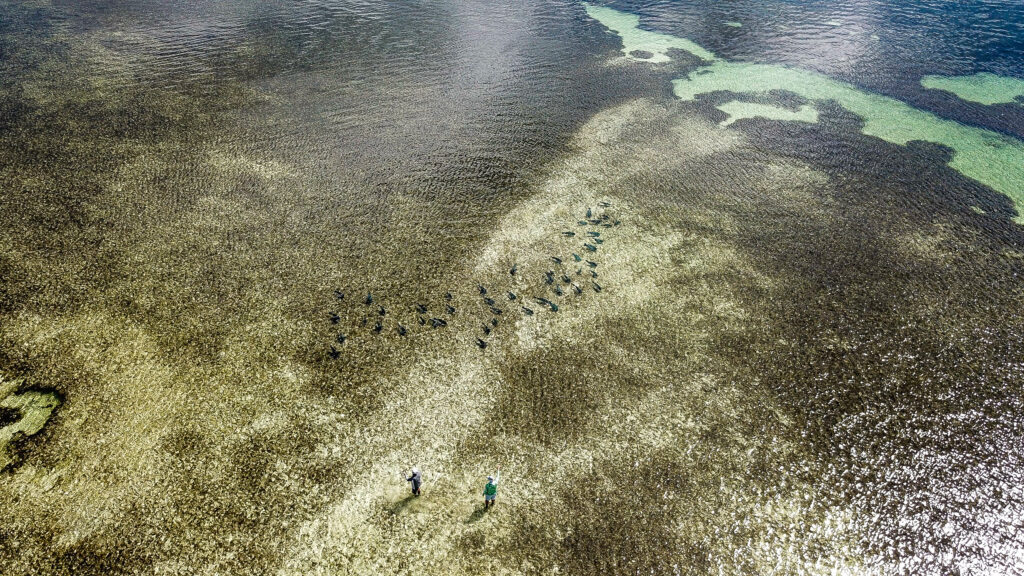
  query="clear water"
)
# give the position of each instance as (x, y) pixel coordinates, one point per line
(802, 350)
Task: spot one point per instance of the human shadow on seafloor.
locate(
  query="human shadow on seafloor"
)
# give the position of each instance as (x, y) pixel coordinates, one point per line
(476, 515)
(402, 504)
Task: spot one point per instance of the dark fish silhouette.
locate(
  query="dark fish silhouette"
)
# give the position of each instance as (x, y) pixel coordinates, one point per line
(607, 225)
(591, 263)
(381, 311)
(421, 308)
(489, 301)
(594, 221)
(590, 247)
(494, 322)
(548, 303)
(566, 279)
(616, 223)
(514, 269)
(437, 322)
(577, 289)
(593, 234)
(549, 277)
(579, 271)
(365, 320)
(495, 310)
(334, 353)
(598, 241)
(558, 290)
(582, 222)
(401, 330)
(527, 311)
(597, 287)
(340, 338)
(483, 290)
(450, 309)
(339, 294)
(512, 296)
(378, 327)
(369, 299)
(487, 330)
(481, 343)
(576, 257)
(593, 274)
(335, 318)
(447, 295)
(556, 259)
(589, 213)
(604, 204)
(423, 321)
(568, 234)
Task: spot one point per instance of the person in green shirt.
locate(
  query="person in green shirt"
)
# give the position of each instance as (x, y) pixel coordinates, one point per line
(491, 489)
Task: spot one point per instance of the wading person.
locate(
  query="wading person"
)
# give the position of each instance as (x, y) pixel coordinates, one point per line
(491, 489)
(416, 479)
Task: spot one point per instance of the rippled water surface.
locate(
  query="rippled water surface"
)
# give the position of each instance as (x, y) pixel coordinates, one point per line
(724, 288)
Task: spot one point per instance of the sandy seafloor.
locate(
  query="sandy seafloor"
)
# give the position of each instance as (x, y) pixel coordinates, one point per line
(802, 353)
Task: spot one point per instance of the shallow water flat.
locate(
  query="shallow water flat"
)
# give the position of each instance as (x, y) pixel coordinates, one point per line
(724, 288)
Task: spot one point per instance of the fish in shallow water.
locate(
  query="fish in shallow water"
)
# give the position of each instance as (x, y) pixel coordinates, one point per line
(369, 299)
(515, 268)
(488, 301)
(605, 204)
(566, 279)
(494, 322)
(340, 338)
(480, 287)
(598, 241)
(481, 343)
(495, 310)
(590, 247)
(597, 287)
(591, 263)
(577, 289)
(339, 294)
(378, 327)
(558, 290)
(568, 234)
(593, 274)
(333, 353)
(381, 311)
(487, 330)
(527, 311)
(594, 221)
(450, 310)
(437, 322)
(576, 257)
(556, 259)
(589, 213)
(512, 296)
(423, 321)
(335, 318)
(548, 303)
(549, 277)
(593, 234)
(448, 296)
(421, 308)
(401, 330)
(582, 222)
